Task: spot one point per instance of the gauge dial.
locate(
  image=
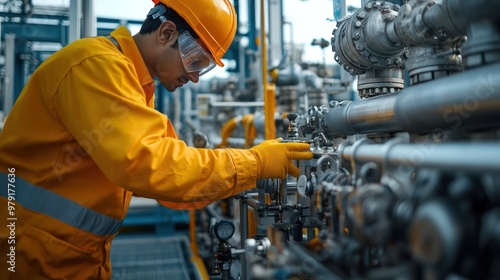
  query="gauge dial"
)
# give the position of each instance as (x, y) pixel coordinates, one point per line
(200, 140)
(224, 230)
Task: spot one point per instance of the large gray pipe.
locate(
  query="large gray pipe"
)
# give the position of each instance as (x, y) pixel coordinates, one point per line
(468, 100)
(471, 157)
(454, 16)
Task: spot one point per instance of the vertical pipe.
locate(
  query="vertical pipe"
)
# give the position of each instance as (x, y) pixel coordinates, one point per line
(283, 192)
(23, 73)
(192, 232)
(275, 19)
(242, 66)
(10, 58)
(269, 107)
(75, 26)
(89, 19)
(245, 271)
(269, 102)
(177, 104)
(195, 258)
(252, 25)
(188, 105)
(339, 9)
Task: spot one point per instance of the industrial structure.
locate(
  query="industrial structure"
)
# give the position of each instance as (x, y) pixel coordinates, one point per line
(404, 128)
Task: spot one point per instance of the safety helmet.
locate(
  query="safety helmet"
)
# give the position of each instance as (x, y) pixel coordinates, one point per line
(213, 20)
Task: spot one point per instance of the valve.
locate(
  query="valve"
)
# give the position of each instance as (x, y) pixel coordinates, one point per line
(223, 230)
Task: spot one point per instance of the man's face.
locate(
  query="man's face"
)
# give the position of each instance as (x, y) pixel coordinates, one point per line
(170, 70)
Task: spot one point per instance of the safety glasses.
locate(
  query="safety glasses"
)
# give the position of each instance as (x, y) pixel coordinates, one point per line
(194, 57)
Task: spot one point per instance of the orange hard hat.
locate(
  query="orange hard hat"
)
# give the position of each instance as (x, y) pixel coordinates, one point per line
(213, 20)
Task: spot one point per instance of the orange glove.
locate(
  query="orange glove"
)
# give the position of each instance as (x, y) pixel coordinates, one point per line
(273, 158)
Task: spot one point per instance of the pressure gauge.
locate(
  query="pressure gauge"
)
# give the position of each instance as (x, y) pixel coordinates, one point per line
(223, 230)
(200, 140)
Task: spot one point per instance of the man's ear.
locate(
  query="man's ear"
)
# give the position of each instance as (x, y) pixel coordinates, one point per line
(167, 32)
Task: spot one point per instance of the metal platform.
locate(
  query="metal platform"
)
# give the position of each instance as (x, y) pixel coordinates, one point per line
(152, 217)
(152, 258)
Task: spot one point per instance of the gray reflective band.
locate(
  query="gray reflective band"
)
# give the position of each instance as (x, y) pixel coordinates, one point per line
(58, 207)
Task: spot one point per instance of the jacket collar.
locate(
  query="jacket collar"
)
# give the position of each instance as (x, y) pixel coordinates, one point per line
(130, 50)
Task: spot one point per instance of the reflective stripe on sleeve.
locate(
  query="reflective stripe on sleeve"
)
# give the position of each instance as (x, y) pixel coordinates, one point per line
(58, 207)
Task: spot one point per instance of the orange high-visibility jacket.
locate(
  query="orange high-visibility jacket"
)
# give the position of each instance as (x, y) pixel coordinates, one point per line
(82, 138)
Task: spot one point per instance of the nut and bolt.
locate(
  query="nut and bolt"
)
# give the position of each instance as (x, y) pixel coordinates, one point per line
(356, 36)
(361, 15)
(368, 6)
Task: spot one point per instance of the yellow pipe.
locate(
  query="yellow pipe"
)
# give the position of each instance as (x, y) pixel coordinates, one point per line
(195, 258)
(192, 231)
(198, 262)
(227, 130)
(269, 90)
(269, 107)
(250, 130)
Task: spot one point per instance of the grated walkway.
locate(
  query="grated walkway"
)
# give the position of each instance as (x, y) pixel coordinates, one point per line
(151, 258)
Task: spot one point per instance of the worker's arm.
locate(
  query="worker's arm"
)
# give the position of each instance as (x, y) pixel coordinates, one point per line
(135, 150)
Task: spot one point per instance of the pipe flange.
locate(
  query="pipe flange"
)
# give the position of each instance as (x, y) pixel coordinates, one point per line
(353, 35)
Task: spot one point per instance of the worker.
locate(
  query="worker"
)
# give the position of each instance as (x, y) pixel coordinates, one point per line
(83, 137)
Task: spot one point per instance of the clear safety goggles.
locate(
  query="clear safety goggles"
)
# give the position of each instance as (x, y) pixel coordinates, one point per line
(194, 57)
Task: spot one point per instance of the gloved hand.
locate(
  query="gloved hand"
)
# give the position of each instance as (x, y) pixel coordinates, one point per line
(273, 158)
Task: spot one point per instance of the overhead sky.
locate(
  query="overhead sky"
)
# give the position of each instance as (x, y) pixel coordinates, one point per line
(310, 19)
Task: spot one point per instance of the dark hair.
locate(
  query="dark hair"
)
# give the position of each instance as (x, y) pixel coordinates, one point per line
(151, 24)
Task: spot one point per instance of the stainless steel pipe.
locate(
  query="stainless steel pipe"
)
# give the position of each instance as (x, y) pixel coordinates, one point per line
(481, 157)
(468, 100)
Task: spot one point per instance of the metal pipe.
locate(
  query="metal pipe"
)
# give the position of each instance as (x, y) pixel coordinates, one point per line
(214, 213)
(437, 18)
(245, 269)
(253, 203)
(466, 100)
(237, 104)
(283, 192)
(471, 157)
(340, 9)
(303, 257)
(241, 65)
(10, 62)
(470, 11)
(89, 19)
(275, 18)
(451, 17)
(75, 25)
